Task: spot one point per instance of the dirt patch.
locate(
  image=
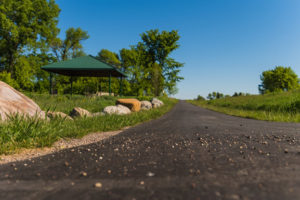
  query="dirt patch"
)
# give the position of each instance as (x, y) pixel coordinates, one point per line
(57, 146)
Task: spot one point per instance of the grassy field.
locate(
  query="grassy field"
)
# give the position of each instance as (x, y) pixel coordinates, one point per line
(20, 133)
(283, 107)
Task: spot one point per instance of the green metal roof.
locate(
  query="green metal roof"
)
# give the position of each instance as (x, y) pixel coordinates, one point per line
(84, 66)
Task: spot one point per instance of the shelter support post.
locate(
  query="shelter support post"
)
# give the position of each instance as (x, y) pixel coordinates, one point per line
(109, 83)
(121, 86)
(50, 85)
(71, 85)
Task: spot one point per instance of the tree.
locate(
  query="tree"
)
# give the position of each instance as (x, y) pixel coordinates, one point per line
(200, 98)
(150, 68)
(165, 70)
(109, 57)
(71, 46)
(278, 79)
(215, 95)
(26, 26)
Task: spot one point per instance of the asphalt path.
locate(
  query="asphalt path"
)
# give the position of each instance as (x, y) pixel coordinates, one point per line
(190, 153)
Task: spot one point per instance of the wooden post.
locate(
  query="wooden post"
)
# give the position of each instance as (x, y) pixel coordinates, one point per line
(121, 86)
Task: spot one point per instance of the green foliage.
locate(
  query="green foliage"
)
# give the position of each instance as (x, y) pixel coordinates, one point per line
(237, 94)
(279, 79)
(215, 95)
(109, 57)
(274, 106)
(71, 46)
(200, 98)
(6, 77)
(26, 25)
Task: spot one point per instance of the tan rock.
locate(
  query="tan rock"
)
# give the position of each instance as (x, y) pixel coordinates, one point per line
(53, 115)
(80, 112)
(13, 102)
(133, 104)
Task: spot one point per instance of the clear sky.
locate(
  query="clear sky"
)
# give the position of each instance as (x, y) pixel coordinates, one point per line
(225, 44)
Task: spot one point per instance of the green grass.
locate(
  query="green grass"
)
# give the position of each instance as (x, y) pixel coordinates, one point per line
(20, 133)
(65, 103)
(283, 107)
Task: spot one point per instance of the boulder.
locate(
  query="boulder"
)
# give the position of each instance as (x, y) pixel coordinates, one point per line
(53, 115)
(13, 102)
(118, 110)
(133, 104)
(80, 112)
(156, 103)
(146, 105)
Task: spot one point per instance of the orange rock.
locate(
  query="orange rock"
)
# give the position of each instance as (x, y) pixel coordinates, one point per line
(133, 104)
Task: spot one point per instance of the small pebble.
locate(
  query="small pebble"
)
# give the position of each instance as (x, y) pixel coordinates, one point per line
(83, 173)
(150, 174)
(98, 185)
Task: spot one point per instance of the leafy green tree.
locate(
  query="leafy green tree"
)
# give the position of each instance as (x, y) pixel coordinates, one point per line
(158, 46)
(279, 79)
(26, 26)
(150, 68)
(71, 46)
(215, 95)
(200, 98)
(109, 57)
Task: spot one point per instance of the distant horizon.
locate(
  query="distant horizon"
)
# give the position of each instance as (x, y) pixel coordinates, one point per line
(225, 45)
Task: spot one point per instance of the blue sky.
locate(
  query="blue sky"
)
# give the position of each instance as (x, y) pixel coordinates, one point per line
(225, 44)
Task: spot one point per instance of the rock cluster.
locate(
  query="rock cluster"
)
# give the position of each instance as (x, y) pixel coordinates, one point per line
(132, 105)
(13, 102)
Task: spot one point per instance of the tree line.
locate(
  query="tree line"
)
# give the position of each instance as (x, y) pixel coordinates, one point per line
(279, 79)
(29, 39)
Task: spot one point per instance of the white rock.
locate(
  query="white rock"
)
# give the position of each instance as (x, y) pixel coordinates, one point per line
(118, 110)
(13, 102)
(156, 103)
(146, 105)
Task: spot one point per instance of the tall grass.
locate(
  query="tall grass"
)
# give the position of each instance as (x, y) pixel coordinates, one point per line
(19, 132)
(283, 106)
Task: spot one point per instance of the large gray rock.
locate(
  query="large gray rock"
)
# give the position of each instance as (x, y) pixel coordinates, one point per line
(156, 103)
(118, 110)
(146, 105)
(80, 112)
(13, 102)
(62, 115)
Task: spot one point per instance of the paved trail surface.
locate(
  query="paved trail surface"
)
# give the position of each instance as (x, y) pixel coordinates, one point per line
(190, 153)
